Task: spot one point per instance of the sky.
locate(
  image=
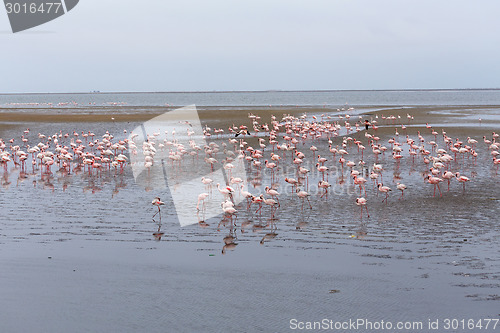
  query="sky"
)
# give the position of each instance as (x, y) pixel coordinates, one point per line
(200, 45)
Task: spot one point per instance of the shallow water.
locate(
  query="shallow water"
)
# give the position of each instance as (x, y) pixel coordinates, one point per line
(79, 254)
(336, 98)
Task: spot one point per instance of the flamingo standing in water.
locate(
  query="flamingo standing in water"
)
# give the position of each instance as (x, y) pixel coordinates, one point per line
(228, 208)
(324, 185)
(496, 161)
(322, 169)
(157, 202)
(448, 175)
(377, 168)
(402, 188)
(247, 195)
(384, 189)
(208, 182)
(201, 198)
(373, 176)
(304, 195)
(273, 193)
(362, 203)
(258, 200)
(272, 203)
(462, 179)
(360, 181)
(435, 181)
(292, 181)
(227, 191)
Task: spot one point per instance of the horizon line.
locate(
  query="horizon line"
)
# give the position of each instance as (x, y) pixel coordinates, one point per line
(239, 91)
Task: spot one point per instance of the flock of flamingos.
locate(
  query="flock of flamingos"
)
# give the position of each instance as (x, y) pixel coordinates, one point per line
(301, 145)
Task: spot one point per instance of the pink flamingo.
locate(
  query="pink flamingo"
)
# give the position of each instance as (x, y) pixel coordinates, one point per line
(272, 203)
(373, 176)
(435, 181)
(258, 200)
(462, 179)
(448, 175)
(322, 169)
(273, 193)
(304, 195)
(247, 195)
(227, 191)
(270, 166)
(361, 182)
(496, 161)
(157, 202)
(324, 185)
(402, 188)
(201, 198)
(208, 183)
(292, 181)
(229, 210)
(384, 189)
(361, 202)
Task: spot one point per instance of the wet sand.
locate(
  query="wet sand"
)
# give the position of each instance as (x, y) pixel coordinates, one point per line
(85, 259)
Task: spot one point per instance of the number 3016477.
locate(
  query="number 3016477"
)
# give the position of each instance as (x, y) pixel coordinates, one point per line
(471, 324)
(33, 8)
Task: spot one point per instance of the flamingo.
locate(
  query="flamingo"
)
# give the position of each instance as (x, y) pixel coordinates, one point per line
(226, 191)
(462, 179)
(435, 181)
(258, 200)
(361, 202)
(324, 185)
(208, 182)
(496, 161)
(322, 169)
(273, 193)
(270, 166)
(359, 181)
(201, 198)
(242, 132)
(402, 188)
(304, 195)
(292, 181)
(272, 203)
(384, 189)
(157, 202)
(373, 176)
(229, 210)
(247, 195)
(448, 175)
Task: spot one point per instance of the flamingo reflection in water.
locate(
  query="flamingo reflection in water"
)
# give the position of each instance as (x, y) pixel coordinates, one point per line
(158, 234)
(267, 237)
(230, 240)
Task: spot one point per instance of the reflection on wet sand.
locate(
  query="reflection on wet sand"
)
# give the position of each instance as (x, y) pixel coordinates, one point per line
(230, 240)
(158, 234)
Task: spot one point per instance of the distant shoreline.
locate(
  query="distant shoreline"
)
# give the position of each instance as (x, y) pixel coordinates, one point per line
(246, 91)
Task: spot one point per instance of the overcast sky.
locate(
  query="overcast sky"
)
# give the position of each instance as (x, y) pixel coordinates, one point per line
(192, 45)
